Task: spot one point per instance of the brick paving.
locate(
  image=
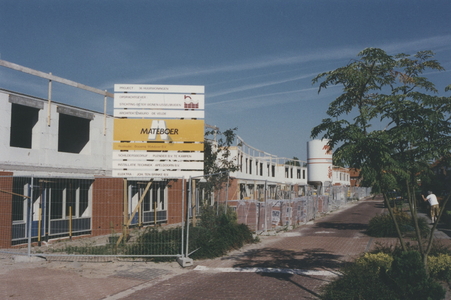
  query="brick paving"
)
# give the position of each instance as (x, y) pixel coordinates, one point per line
(323, 245)
(43, 283)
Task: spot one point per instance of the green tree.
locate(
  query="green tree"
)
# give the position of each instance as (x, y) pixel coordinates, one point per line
(293, 162)
(379, 87)
(218, 160)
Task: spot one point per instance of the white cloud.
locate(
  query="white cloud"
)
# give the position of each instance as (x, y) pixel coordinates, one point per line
(336, 53)
(260, 85)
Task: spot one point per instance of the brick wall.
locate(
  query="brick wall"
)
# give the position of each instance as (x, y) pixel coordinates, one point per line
(6, 184)
(107, 206)
(175, 188)
(233, 193)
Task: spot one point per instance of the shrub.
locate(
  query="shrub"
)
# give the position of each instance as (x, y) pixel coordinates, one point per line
(359, 281)
(409, 280)
(217, 235)
(382, 276)
(375, 262)
(156, 241)
(383, 225)
(440, 267)
(213, 237)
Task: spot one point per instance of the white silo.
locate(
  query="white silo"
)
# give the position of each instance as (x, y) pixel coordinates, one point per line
(319, 163)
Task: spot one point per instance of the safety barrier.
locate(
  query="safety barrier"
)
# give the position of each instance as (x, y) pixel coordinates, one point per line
(92, 216)
(106, 216)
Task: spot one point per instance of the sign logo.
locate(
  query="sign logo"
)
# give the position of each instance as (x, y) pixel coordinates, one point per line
(190, 103)
(159, 127)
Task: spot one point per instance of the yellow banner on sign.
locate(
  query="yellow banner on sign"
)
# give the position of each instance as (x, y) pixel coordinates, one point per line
(158, 130)
(159, 146)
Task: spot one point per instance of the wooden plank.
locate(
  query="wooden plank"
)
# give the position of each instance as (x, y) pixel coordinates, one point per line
(53, 78)
(134, 212)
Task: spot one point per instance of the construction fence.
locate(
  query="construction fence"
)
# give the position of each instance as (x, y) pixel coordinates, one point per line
(271, 205)
(92, 216)
(106, 216)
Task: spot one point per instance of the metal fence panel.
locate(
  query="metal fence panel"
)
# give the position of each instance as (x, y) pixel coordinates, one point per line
(113, 216)
(277, 206)
(92, 216)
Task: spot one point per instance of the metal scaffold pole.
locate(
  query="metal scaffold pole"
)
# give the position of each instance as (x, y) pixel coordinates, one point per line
(30, 214)
(266, 205)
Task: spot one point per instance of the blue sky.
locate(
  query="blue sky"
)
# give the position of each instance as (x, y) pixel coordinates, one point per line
(256, 58)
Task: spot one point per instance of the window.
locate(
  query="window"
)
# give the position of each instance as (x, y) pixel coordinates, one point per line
(73, 129)
(57, 201)
(84, 199)
(303, 174)
(69, 197)
(246, 165)
(23, 119)
(24, 116)
(19, 203)
(156, 195)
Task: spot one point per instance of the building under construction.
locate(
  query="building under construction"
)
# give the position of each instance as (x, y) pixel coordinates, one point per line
(56, 176)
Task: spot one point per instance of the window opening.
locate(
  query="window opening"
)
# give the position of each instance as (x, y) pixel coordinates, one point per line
(73, 133)
(23, 120)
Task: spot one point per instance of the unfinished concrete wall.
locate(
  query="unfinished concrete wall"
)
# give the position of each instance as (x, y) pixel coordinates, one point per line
(88, 153)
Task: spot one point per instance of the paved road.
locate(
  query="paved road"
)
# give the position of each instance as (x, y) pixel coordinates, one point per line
(292, 265)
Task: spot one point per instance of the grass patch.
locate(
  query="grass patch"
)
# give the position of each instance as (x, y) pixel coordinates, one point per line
(213, 237)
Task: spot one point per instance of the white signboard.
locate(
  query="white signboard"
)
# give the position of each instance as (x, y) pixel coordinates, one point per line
(161, 101)
(157, 106)
(156, 88)
(157, 174)
(170, 155)
(161, 114)
(163, 165)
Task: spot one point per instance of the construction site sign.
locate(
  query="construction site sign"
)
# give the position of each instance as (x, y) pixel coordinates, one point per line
(159, 101)
(158, 88)
(157, 131)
